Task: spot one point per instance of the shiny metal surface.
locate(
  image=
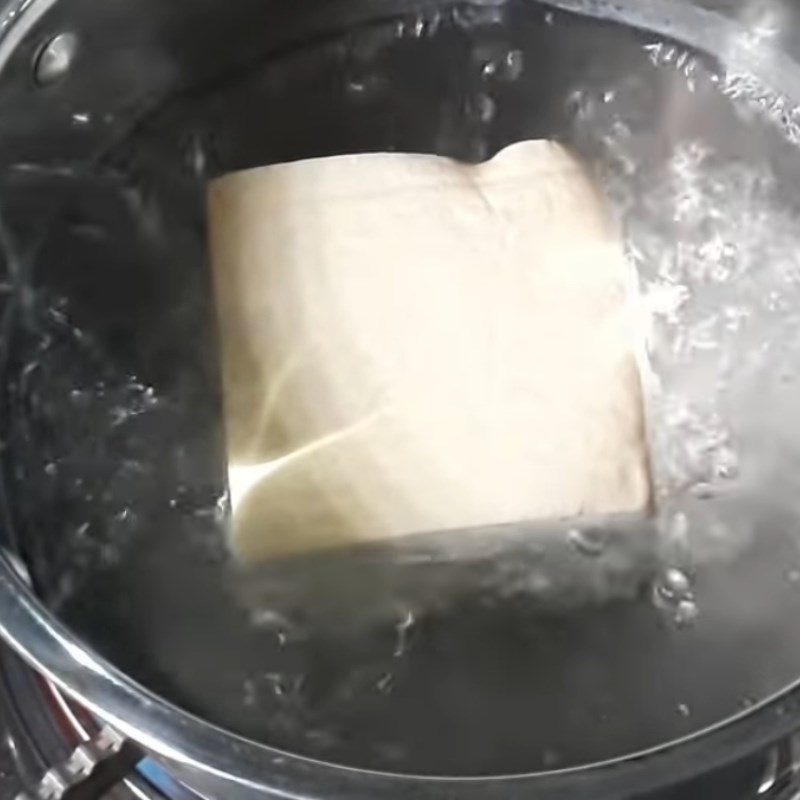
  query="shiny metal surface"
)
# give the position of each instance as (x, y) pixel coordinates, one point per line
(228, 766)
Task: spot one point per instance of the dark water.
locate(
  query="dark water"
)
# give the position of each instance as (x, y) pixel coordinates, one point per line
(545, 656)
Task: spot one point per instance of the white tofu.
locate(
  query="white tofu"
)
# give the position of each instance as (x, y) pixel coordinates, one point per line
(414, 344)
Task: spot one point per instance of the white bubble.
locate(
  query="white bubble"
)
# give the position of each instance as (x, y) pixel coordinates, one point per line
(686, 613)
(676, 582)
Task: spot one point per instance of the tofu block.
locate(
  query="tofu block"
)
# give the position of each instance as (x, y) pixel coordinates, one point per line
(414, 344)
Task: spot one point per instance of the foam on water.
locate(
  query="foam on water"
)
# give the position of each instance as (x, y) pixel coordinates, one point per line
(714, 239)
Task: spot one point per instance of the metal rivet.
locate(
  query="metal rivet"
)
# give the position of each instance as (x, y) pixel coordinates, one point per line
(54, 59)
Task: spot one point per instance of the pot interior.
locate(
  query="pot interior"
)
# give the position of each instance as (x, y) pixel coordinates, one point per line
(533, 651)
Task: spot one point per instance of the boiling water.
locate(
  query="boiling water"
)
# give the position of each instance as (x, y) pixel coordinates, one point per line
(508, 654)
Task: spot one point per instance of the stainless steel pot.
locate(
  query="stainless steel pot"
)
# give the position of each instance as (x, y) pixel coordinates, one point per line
(126, 63)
